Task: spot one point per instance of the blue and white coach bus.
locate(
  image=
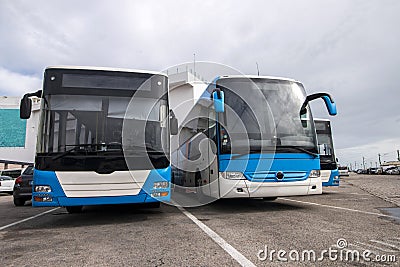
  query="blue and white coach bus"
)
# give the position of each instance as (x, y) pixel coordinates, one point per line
(251, 137)
(329, 167)
(103, 138)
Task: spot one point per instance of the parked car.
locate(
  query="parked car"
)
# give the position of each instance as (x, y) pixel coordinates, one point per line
(23, 187)
(343, 171)
(392, 170)
(373, 171)
(6, 184)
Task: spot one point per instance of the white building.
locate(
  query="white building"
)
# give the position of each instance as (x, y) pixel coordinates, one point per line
(185, 90)
(17, 136)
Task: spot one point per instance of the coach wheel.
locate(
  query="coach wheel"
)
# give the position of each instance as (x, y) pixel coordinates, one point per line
(269, 198)
(19, 202)
(74, 209)
(152, 205)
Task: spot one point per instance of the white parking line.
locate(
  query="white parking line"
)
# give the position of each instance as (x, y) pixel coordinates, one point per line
(359, 245)
(242, 260)
(359, 194)
(27, 219)
(386, 244)
(375, 247)
(350, 199)
(340, 208)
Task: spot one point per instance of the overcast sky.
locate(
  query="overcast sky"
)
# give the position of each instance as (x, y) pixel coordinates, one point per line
(347, 48)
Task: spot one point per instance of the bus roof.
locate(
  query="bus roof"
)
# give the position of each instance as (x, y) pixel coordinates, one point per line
(105, 69)
(256, 77)
(319, 119)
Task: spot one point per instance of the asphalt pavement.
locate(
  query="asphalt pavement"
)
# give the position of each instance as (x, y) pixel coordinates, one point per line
(322, 230)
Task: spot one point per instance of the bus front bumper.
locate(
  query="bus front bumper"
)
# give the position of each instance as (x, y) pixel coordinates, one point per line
(248, 189)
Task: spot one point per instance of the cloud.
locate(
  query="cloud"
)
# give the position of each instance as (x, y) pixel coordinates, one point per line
(347, 48)
(16, 84)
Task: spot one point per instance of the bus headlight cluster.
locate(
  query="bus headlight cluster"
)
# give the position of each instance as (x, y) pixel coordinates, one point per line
(233, 175)
(158, 185)
(159, 194)
(43, 198)
(43, 188)
(314, 174)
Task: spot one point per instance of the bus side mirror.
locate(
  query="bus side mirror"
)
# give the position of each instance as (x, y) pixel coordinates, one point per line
(330, 104)
(219, 100)
(174, 126)
(173, 123)
(25, 107)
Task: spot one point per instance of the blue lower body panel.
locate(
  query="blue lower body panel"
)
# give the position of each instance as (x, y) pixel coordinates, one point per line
(333, 179)
(57, 196)
(270, 175)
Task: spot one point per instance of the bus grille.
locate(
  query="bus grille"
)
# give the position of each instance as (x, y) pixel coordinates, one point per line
(92, 184)
(270, 176)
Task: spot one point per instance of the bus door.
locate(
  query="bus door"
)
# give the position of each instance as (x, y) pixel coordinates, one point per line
(212, 188)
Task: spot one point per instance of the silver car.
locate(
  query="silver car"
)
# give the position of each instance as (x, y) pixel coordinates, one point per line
(343, 171)
(6, 184)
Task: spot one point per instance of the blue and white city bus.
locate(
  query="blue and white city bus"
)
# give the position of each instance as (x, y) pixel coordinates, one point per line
(103, 138)
(250, 137)
(329, 167)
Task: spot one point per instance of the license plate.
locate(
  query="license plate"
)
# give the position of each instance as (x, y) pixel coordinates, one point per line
(30, 182)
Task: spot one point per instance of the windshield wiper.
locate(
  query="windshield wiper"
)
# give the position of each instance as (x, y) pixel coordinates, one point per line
(90, 148)
(253, 150)
(107, 148)
(67, 152)
(300, 149)
(250, 151)
(146, 148)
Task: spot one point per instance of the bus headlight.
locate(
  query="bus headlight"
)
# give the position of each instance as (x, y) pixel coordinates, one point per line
(42, 188)
(158, 185)
(314, 174)
(44, 198)
(233, 175)
(159, 194)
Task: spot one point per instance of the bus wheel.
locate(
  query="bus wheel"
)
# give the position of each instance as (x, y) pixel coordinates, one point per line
(74, 209)
(19, 202)
(152, 205)
(269, 198)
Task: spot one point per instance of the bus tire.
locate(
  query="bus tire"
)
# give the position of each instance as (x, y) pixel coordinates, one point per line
(74, 209)
(269, 198)
(19, 202)
(153, 205)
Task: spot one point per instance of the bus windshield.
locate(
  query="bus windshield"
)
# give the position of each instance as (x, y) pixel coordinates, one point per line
(97, 120)
(84, 115)
(269, 116)
(324, 136)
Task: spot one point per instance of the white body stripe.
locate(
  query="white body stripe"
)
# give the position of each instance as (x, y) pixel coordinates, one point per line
(325, 175)
(92, 184)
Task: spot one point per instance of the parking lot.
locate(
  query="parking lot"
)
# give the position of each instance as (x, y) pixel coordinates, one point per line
(360, 215)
